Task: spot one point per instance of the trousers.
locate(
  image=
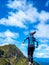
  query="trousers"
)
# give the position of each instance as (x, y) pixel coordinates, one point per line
(31, 49)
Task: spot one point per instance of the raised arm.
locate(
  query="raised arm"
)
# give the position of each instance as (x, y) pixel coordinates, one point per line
(37, 43)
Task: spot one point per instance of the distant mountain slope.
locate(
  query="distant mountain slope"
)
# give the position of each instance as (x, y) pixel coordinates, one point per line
(11, 55)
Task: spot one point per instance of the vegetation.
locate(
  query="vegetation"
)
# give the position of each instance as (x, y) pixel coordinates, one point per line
(11, 55)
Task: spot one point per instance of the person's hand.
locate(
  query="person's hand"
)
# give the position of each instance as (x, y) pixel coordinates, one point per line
(36, 46)
(23, 44)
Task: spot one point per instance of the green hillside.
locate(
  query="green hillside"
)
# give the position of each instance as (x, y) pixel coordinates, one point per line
(11, 55)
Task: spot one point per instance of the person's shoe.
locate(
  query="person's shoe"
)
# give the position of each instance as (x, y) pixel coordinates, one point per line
(32, 64)
(29, 63)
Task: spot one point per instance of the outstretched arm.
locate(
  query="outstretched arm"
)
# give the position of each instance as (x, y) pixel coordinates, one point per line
(25, 40)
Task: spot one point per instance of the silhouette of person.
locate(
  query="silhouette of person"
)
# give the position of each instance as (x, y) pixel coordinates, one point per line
(31, 46)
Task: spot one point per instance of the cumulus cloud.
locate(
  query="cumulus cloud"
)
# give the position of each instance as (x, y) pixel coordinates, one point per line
(42, 31)
(43, 17)
(44, 40)
(26, 13)
(8, 37)
(42, 51)
(42, 55)
(9, 34)
(14, 20)
(17, 4)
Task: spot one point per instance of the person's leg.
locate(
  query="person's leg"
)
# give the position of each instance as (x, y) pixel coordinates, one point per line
(28, 53)
(32, 51)
(29, 60)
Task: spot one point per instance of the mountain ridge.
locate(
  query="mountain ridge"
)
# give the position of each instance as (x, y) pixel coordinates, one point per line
(11, 55)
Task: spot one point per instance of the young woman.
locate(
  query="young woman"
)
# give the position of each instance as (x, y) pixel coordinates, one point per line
(31, 46)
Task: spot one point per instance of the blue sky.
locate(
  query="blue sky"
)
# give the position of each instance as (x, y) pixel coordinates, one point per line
(20, 17)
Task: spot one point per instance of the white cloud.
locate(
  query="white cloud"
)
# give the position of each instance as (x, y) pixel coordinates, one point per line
(42, 27)
(43, 17)
(42, 51)
(17, 4)
(7, 37)
(44, 40)
(8, 34)
(26, 13)
(32, 14)
(42, 55)
(42, 31)
(16, 19)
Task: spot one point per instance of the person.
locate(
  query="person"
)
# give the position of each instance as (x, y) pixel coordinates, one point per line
(31, 46)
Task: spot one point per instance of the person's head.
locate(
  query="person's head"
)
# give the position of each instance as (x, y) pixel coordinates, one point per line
(32, 33)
